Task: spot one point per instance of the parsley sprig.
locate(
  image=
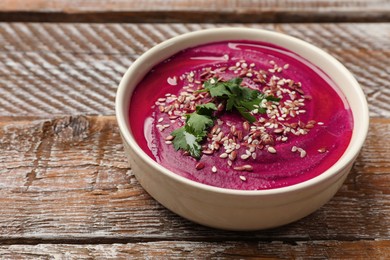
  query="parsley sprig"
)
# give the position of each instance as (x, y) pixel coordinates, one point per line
(243, 99)
(189, 136)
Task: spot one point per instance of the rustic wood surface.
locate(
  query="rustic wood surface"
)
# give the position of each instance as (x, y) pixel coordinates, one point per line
(65, 69)
(198, 250)
(66, 190)
(195, 11)
(66, 179)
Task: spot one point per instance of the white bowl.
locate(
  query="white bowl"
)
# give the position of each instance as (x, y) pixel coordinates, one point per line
(240, 209)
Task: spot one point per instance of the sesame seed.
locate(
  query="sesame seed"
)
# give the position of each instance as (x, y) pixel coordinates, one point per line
(242, 178)
(160, 127)
(173, 117)
(223, 155)
(248, 167)
(160, 120)
(245, 156)
(322, 150)
(254, 142)
(172, 81)
(168, 142)
(169, 138)
(271, 149)
(278, 131)
(208, 152)
(302, 153)
(320, 123)
(214, 169)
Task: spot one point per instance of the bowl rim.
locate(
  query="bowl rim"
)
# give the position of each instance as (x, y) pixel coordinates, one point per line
(348, 156)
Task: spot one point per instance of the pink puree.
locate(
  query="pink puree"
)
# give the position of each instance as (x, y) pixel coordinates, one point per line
(269, 170)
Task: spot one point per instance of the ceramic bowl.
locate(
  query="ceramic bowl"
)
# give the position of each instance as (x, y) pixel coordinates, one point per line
(240, 209)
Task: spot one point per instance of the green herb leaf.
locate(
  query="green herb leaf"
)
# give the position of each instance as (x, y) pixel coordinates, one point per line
(230, 102)
(206, 109)
(186, 141)
(243, 99)
(272, 98)
(244, 112)
(196, 123)
(216, 89)
(234, 82)
(188, 137)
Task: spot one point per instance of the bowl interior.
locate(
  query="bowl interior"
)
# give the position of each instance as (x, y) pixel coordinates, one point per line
(326, 64)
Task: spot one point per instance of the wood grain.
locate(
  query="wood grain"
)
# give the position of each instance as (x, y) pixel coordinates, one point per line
(64, 69)
(66, 180)
(66, 190)
(195, 11)
(201, 250)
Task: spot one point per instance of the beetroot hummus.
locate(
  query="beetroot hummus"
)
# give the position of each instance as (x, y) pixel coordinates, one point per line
(297, 133)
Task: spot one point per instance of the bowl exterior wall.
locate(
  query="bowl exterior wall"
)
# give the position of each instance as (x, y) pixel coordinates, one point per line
(224, 211)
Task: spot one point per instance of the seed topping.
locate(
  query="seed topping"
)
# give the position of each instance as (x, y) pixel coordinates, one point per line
(269, 121)
(270, 149)
(199, 166)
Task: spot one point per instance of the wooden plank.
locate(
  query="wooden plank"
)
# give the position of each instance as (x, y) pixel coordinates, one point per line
(195, 11)
(63, 69)
(66, 180)
(200, 250)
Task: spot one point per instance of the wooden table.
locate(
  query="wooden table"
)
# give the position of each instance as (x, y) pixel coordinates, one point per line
(66, 190)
